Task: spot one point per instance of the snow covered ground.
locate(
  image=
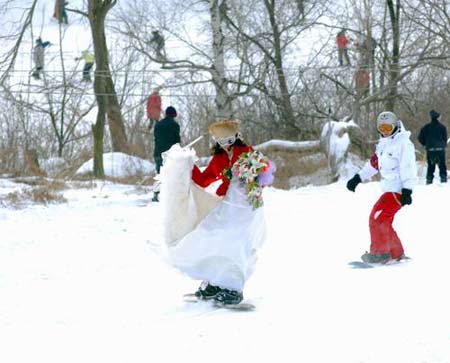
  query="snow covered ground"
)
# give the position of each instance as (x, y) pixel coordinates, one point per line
(83, 282)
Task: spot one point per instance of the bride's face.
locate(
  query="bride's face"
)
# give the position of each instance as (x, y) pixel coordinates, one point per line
(226, 142)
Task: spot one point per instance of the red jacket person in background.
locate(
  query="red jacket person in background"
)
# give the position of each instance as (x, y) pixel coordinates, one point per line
(154, 106)
(342, 44)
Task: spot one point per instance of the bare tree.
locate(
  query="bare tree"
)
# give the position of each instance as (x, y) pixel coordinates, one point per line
(9, 58)
(54, 101)
(217, 10)
(402, 49)
(273, 28)
(208, 61)
(394, 66)
(104, 87)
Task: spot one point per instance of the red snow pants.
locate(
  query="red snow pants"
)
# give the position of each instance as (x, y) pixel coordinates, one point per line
(383, 237)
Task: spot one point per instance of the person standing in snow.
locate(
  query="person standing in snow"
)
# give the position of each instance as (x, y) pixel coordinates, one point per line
(39, 57)
(394, 159)
(221, 250)
(166, 133)
(154, 107)
(433, 136)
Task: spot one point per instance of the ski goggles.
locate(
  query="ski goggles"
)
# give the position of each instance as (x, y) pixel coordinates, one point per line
(226, 141)
(385, 128)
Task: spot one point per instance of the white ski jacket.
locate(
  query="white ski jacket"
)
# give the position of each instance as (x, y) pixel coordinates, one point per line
(395, 160)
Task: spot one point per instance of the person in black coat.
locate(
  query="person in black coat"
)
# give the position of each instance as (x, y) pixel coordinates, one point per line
(434, 137)
(167, 133)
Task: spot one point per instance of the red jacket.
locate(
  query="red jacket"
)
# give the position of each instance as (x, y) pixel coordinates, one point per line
(154, 106)
(362, 78)
(342, 41)
(216, 168)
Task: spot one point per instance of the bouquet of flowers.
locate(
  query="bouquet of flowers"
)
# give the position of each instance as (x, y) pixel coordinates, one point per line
(255, 171)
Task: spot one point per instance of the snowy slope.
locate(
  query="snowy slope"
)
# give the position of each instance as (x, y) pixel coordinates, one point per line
(83, 282)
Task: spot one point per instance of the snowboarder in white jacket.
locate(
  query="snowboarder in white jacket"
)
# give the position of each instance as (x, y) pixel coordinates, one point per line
(394, 159)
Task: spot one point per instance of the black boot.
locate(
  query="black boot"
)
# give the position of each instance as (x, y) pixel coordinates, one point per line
(229, 297)
(373, 258)
(207, 291)
(155, 197)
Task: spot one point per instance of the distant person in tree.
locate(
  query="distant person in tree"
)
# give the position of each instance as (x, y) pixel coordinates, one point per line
(39, 57)
(342, 45)
(60, 12)
(433, 136)
(166, 133)
(158, 44)
(366, 47)
(154, 107)
(89, 60)
(366, 52)
(394, 159)
(362, 79)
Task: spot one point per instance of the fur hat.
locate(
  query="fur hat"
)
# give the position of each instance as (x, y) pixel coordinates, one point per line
(224, 128)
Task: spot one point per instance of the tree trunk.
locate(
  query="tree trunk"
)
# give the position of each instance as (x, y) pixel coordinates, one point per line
(98, 129)
(97, 10)
(286, 105)
(223, 100)
(98, 132)
(394, 67)
(356, 108)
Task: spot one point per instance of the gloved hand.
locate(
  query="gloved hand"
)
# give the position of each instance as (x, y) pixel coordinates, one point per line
(353, 182)
(406, 196)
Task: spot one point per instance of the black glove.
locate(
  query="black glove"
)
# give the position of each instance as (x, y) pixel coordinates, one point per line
(406, 196)
(353, 182)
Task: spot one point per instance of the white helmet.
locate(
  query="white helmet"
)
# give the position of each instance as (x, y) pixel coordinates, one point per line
(387, 118)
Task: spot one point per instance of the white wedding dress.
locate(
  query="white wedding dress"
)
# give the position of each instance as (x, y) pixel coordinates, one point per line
(221, 248)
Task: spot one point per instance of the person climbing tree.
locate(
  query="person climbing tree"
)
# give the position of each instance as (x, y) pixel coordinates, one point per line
(89, 60)
(60, 12)
(158, 44)
(39, 57)
(366, 46)
(362, 78)
(342, 44)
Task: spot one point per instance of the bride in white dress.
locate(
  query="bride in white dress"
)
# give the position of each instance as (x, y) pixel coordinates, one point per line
(211, 239)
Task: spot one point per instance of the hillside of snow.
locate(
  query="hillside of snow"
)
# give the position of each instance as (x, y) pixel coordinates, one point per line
(84, 281)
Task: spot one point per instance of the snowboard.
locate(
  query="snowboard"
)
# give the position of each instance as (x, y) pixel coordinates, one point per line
(363, 265)
(242, 306)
